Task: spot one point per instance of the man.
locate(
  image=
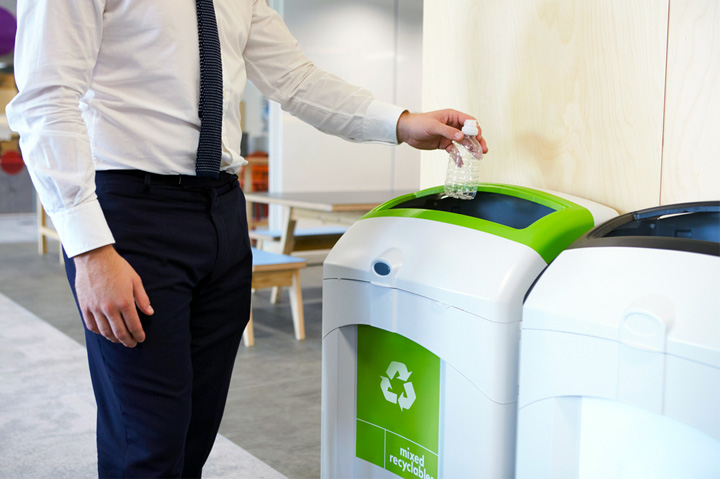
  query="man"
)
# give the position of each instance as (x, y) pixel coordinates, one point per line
(129, 122)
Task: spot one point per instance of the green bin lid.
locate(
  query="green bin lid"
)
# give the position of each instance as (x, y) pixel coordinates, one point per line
(540, 220)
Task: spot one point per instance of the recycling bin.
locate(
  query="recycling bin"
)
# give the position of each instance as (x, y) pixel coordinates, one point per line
(421, 319)
(620, 351)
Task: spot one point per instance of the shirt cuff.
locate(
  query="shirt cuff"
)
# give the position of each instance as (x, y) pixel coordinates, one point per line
(381, 122)
(82, 228)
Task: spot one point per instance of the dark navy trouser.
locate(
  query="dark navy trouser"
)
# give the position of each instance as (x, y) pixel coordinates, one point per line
(160, 403)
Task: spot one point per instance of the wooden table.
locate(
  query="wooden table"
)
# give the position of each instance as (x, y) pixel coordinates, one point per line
(340, 207)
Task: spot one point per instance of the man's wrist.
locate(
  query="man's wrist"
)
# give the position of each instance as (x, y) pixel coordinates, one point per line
(82, 227)
(94, 253)
(400, 131)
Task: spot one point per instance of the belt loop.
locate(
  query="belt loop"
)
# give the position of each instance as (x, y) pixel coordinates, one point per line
(147, 182)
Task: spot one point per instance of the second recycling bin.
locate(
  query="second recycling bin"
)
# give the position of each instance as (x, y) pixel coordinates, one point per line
(422, 302)
(620, 355)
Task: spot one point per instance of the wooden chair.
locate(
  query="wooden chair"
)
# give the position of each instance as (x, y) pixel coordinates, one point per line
(272, 270)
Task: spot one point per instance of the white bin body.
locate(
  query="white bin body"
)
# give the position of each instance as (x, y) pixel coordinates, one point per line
(464, 308)
(620, 366)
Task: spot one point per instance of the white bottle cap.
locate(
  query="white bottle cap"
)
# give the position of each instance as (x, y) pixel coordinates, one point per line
(470, 128)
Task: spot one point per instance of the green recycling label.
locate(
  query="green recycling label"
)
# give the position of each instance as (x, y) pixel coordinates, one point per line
(398, 404)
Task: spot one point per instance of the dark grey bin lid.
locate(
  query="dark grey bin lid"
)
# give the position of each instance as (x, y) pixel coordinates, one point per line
(690, 227)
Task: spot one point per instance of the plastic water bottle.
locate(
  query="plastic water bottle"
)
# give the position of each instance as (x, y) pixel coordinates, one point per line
(463, 171)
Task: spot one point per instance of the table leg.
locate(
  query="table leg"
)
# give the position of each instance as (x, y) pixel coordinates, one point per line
(287, 241)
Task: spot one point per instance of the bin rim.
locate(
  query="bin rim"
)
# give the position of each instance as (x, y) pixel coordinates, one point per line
(548, 235)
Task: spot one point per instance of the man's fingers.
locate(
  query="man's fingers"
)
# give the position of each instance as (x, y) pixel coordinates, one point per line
(120, 331)
(105, 328)
(122, 326)
(447, 131)
(90, 322)
(483, 144)
(453, 117)
(129, 326)
(141, 298)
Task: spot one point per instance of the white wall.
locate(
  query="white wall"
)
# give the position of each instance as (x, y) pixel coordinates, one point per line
(376, 44)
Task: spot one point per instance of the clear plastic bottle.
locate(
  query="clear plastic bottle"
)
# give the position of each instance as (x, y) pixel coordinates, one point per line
(463, 171)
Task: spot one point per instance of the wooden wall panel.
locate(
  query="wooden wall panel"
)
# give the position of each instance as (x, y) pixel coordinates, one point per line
(691, 155)
(569, 93)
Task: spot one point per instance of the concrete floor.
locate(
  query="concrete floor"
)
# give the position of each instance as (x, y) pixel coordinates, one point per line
(273, 409)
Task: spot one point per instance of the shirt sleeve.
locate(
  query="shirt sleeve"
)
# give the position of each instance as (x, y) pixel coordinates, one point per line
(283, 73)
(56, 49)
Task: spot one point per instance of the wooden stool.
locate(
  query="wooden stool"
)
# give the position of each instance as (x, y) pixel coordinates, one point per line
(271, 270)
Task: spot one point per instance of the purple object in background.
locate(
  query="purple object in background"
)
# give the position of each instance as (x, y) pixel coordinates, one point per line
(8, 25)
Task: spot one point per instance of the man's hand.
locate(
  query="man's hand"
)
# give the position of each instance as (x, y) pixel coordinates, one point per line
(433, 130)
(108, 289)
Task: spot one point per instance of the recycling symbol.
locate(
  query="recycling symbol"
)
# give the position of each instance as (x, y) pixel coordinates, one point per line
(407, 398)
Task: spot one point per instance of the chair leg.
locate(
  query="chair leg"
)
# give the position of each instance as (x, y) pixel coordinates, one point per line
(296, 306)
(275, 295)
(248, 334)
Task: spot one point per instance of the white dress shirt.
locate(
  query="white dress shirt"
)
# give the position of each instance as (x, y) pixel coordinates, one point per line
(114, 84)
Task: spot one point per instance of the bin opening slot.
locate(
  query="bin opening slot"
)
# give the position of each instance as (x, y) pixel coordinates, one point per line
(502, 209)
(700, 226)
